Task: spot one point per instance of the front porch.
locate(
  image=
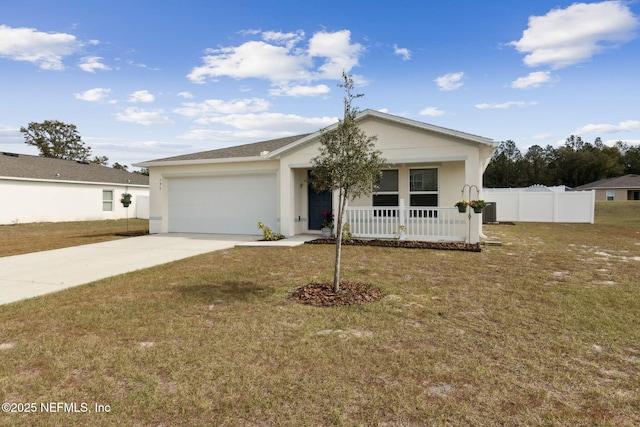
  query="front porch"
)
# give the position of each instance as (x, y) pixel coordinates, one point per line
(409, 222)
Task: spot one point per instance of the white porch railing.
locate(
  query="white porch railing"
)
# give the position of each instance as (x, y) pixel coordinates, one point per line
(417, 223)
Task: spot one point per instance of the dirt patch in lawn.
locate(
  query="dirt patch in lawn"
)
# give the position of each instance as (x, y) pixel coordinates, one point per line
(407, 244)
(322, 294)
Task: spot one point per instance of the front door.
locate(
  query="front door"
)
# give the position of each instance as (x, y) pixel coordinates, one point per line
(318, 202)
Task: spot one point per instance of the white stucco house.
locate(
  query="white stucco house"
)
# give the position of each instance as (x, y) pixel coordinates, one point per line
(230, 189)
(41, 189)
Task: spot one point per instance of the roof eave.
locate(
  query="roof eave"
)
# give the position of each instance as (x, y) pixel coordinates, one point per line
(155, 163)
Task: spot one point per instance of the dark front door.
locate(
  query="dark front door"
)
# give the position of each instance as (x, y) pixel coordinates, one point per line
(318, 202)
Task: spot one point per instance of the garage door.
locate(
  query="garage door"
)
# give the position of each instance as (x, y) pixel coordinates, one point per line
(222, 204)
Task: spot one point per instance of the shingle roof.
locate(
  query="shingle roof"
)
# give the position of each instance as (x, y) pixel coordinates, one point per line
(246, 150)
(35, 167)
(626, 181)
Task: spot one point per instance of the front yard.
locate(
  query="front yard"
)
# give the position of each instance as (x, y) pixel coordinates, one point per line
(544, 330)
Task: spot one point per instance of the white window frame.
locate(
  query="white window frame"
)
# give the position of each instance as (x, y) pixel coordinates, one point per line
(107, 204)
(611, 195)
(436, 192)
(396, 192)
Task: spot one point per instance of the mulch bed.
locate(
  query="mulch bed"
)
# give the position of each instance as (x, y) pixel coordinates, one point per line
(322, 294)
(408, 244)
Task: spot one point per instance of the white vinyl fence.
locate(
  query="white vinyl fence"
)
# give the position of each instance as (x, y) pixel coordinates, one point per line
(549, 206)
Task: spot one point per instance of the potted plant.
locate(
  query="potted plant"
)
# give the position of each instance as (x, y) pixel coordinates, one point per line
(125, 200)
(327, 223)
(462, 205)
(478, 205)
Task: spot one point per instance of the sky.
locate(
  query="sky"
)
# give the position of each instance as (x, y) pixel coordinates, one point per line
(143, 79)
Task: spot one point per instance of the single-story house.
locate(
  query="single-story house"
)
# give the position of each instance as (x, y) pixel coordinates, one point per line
(625, 187)
(230, 190)
(42, 189)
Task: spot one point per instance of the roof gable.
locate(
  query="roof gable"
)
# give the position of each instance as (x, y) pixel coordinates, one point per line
(276, 147)
(45, 168)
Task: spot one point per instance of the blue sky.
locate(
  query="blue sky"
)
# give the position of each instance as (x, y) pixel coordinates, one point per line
(145, 79)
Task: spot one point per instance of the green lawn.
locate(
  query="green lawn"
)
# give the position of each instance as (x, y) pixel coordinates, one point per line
(544, 330)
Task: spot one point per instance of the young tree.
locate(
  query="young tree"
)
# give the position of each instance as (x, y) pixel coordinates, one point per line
(348, 163)
(58, 140)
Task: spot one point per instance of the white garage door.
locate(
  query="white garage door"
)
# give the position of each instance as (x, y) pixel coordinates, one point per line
(222, 204)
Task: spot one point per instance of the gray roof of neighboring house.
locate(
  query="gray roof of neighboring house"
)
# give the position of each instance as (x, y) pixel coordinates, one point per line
(626, 181)
(45, 168)
(246, 150)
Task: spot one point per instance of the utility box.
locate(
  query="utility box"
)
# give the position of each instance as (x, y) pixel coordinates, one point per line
(489, 213)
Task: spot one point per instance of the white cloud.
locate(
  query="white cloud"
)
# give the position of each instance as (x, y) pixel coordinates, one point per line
(338, 52)
(93, 95)
(533, 80)
(262, 126)
(505, 105)
(210, 109)
(141, 96)
(625, 126)
(46, 50)
(275, 122)
(285, 39)
(185, 95)
(297, 91)
(143, 117)
(542, 136)
(569, 36)
(402, 51)
(278, 58)
(451, 81)
(92, 63)
(432, 111)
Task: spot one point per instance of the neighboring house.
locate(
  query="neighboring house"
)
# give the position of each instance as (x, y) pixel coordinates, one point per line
(625, 187)
(229, 190)
(41, 189)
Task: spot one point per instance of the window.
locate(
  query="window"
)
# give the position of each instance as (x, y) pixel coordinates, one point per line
(107, 200)
(387, 194)
(423, 187)
(611, 194)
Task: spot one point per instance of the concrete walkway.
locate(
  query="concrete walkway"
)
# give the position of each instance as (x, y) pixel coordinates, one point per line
(39, 273)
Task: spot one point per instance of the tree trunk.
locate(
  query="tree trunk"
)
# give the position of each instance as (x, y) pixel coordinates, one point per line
(336, 272)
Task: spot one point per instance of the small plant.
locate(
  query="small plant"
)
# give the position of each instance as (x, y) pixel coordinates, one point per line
(461, 204)
(125, 200)
(477, 204)
(327, 218)
(269, 235)
(346, 232)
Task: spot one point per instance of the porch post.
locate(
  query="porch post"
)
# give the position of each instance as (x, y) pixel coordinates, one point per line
(286, 204)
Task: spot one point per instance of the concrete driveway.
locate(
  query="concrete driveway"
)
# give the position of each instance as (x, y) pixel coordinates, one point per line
(39, 273)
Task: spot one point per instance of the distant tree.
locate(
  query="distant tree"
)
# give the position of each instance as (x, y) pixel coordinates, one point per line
(100, 160)
(58, 140)
(631, 160)
(505, 168)
(142, 171)
(348, 163)
(117, 165)
(536, 161)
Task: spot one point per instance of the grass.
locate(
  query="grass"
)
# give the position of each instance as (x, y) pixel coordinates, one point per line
(544, 330)
(33, 237)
